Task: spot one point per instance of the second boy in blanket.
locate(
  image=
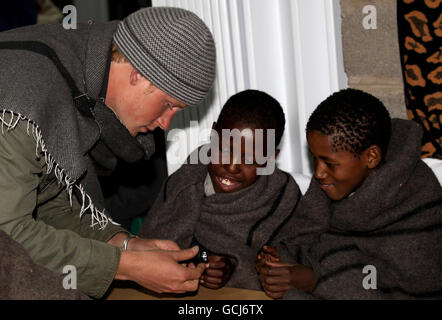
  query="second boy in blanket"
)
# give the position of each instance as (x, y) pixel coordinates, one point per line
(227, 206)
(370, 224)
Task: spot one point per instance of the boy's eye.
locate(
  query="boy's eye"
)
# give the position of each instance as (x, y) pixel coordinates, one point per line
(331, 165)
(169, 106)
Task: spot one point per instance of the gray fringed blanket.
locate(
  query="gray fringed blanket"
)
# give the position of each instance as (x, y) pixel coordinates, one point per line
(392, 222)
(22, 279)
(235, 224)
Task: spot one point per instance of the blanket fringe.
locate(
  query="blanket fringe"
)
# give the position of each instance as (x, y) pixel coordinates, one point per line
(87, 206)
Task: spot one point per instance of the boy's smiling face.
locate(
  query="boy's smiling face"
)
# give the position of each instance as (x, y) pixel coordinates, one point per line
(236, 174)
(339, 172)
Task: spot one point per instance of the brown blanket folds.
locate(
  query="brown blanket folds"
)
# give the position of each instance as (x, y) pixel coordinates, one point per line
(235, 224)
(22, 279)
(392, 222)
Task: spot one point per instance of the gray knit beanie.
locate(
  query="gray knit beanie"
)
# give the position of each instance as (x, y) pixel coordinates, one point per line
(172, 48)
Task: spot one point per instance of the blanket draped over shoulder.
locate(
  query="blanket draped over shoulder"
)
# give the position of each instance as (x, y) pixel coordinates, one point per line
(23, 279)
(77, 147)
(382, 242)
(235, 224)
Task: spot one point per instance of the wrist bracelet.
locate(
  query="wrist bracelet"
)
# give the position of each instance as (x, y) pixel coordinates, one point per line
(126, 242)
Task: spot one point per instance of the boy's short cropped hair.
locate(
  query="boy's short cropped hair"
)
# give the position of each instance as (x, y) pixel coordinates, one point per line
(355, 120)
(255, 108)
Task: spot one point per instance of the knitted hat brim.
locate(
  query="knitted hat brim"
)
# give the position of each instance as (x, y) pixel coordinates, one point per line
(141, 59)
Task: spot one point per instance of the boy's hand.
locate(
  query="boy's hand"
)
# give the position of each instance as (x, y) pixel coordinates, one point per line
(268, 254)
(217, 273)
(278, 277)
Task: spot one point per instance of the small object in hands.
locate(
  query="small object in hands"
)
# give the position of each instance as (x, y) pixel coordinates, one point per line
(201, 257)
(204, 257)
(203, 254)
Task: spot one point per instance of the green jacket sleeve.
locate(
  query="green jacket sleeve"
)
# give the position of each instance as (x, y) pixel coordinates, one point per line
(53, 234)
(59, 213)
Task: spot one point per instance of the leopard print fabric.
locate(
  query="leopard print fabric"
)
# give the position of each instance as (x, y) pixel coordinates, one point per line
(420, 42)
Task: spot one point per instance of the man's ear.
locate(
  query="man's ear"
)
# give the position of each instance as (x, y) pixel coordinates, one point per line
(374, 156)
(134, 77)
(214, 125)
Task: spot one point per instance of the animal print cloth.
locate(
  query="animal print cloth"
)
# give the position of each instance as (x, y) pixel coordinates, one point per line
(420, 42)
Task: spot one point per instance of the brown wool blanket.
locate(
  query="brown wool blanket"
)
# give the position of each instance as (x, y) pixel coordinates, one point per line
(23, 279)
(392, 222)
(235, 224)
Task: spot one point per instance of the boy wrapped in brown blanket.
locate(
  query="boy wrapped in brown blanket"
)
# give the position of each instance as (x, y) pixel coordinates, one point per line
(380, 240)
(229, 209)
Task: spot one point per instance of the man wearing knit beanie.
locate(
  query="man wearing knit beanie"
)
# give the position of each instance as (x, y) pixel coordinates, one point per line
(170, 53)
(163, 60)
(72, 103)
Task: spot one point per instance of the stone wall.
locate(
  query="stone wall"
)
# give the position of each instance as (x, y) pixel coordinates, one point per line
(371, 56)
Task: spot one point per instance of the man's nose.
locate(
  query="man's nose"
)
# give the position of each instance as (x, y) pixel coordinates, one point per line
(166, 118)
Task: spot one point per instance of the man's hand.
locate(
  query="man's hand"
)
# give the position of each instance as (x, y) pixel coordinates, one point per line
(217, 273)
(160, 271)
(140, 244)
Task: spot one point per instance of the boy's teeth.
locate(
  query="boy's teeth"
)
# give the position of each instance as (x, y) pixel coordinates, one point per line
(226, 182)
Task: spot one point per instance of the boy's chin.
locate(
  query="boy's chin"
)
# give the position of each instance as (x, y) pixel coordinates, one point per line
(334, 194)
(337, 196)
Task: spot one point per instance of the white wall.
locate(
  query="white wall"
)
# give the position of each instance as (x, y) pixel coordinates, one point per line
(289, 48)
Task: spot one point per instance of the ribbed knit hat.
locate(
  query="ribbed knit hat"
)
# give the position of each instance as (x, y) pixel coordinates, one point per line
(172, 48)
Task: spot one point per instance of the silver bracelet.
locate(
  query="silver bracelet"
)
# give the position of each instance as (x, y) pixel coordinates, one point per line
(126, 242)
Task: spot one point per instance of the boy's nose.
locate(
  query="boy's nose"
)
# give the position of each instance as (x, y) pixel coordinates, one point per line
(231, 167)
(166, 118)
(320, 172)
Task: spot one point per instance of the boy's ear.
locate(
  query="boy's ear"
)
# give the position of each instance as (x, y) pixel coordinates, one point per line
(276, 153)
(273, 157)
(374, 156)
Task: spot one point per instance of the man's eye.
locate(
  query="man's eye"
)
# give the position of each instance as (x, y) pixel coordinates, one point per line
(331, 165)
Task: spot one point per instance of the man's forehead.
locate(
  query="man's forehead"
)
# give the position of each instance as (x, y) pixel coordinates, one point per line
(176, 102)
